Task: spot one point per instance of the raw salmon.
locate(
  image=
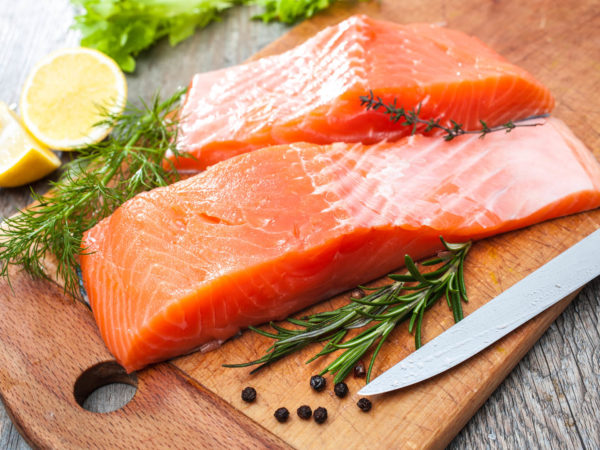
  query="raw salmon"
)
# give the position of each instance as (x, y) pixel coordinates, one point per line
(266, 233)
(311, 93)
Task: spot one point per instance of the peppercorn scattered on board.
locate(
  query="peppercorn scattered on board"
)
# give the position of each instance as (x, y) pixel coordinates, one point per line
(53, 356)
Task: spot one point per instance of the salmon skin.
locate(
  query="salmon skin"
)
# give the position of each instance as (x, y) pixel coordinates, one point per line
(264, 234)
(312, 92)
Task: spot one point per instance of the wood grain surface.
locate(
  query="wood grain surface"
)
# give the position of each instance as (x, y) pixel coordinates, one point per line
(551, 399)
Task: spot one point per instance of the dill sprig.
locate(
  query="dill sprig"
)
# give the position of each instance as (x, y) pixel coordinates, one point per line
(91, 187)
(408, 296)
(411, 118)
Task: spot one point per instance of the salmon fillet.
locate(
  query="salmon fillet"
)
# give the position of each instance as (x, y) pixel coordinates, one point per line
(262, 235)
(311, 92)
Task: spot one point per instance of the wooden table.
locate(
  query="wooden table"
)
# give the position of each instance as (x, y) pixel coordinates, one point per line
(550, 400)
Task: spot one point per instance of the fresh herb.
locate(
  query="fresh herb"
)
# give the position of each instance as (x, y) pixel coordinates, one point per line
(123, 28)
(411, 119)
(385, 307)
(92, 186)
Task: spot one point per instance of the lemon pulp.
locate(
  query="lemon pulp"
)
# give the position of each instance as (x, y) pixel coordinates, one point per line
(68, 93)
(22, 159)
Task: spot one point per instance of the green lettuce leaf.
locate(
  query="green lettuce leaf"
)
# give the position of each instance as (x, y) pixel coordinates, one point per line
(123, 28)
(290, 11)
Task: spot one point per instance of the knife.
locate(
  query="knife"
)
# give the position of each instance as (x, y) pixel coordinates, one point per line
(526, 299)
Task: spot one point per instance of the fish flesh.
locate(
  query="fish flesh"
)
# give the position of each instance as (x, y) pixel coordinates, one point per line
(311, 93)
(264, 234)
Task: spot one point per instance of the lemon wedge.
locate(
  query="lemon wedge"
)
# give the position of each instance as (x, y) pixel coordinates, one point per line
(67, 93)
(22, 159)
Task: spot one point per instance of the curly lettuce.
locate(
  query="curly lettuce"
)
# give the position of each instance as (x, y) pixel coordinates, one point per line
(123, 28)
(290, 11)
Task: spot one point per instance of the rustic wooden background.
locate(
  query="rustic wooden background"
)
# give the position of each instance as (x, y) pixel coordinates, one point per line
(550, 400)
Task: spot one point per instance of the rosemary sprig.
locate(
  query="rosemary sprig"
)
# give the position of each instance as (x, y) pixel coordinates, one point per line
(411, 118)
(91, 187)
(408, 296)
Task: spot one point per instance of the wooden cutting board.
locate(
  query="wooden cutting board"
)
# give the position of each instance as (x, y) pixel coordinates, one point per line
(53, 356)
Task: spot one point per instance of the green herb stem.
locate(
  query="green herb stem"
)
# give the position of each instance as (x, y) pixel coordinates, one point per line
(408, 296)
(410, 118)
(91, 187)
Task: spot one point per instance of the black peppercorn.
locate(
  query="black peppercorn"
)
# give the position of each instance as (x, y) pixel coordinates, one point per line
(340, 389)
(357, 293)
(282, 415)
(364, 404)
(318, 383)
(359, 370)
(304, 412)
(320, 415)
(249, 394)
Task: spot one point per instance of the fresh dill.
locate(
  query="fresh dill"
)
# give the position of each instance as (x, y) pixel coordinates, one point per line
(91, 187)
(411, 118)
(408, 296)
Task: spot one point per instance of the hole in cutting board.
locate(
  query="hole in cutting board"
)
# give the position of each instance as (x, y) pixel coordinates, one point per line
(104, 387)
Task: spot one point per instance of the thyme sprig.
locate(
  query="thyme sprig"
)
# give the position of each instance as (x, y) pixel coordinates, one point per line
(91, 187)
(407, 297)
(410, 118)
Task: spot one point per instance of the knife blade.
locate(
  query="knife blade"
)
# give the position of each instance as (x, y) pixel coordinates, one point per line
(521, 302)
